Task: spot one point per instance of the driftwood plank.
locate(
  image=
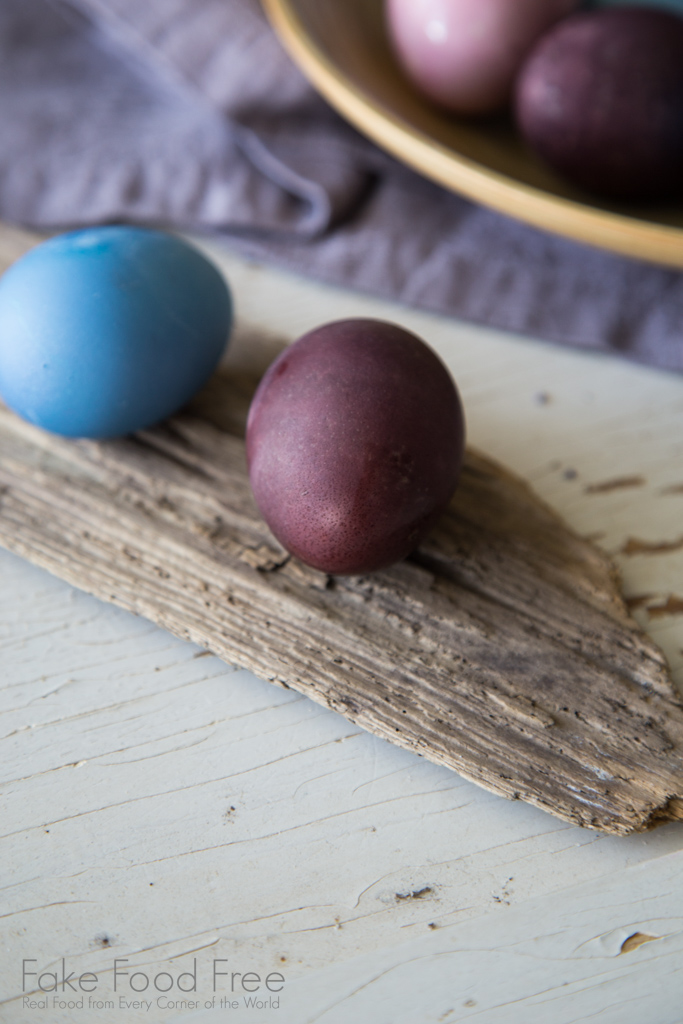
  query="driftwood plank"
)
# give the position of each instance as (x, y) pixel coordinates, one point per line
(501, 648)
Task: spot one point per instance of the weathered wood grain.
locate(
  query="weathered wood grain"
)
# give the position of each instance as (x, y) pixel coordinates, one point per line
(501, 648)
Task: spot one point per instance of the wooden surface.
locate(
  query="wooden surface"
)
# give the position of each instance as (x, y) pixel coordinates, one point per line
(500, 648)
(159, 806)
(341, 46)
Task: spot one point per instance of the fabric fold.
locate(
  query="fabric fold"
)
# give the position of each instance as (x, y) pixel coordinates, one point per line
(99, 125)
(189, 114)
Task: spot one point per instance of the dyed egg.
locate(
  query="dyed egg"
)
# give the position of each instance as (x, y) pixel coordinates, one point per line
(601, 100)
(109, 330)
(464, 54)
(354, 444)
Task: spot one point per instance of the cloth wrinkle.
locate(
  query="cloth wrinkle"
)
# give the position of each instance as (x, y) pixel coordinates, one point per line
(189, 114)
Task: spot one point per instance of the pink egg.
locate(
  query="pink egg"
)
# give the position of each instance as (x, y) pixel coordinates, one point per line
(465, 54)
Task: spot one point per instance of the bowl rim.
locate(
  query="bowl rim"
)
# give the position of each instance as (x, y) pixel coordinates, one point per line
(627, 235)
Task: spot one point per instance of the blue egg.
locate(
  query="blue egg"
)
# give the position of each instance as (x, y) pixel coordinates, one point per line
(109, 330)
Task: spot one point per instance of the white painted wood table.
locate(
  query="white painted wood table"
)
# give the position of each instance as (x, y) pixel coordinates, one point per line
(177, 815)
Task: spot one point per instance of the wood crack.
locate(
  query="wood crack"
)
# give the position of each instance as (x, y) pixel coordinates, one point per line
(502, 648)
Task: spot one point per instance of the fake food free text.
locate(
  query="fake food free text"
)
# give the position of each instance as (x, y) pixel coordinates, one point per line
(124, 978)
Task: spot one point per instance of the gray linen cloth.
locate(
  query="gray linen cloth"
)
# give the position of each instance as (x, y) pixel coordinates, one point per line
(188, 113)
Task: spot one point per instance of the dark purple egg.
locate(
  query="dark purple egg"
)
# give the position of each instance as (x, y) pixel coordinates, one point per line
(354, 444)
(600, 98)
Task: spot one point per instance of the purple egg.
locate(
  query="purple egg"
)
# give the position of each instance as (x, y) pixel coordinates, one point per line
(465, 54)
(601, 100)
(355, 441)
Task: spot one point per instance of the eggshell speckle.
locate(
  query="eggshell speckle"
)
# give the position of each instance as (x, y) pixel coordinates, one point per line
(109, 330)
(354, 444)
(600, 99)
(464, 54)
